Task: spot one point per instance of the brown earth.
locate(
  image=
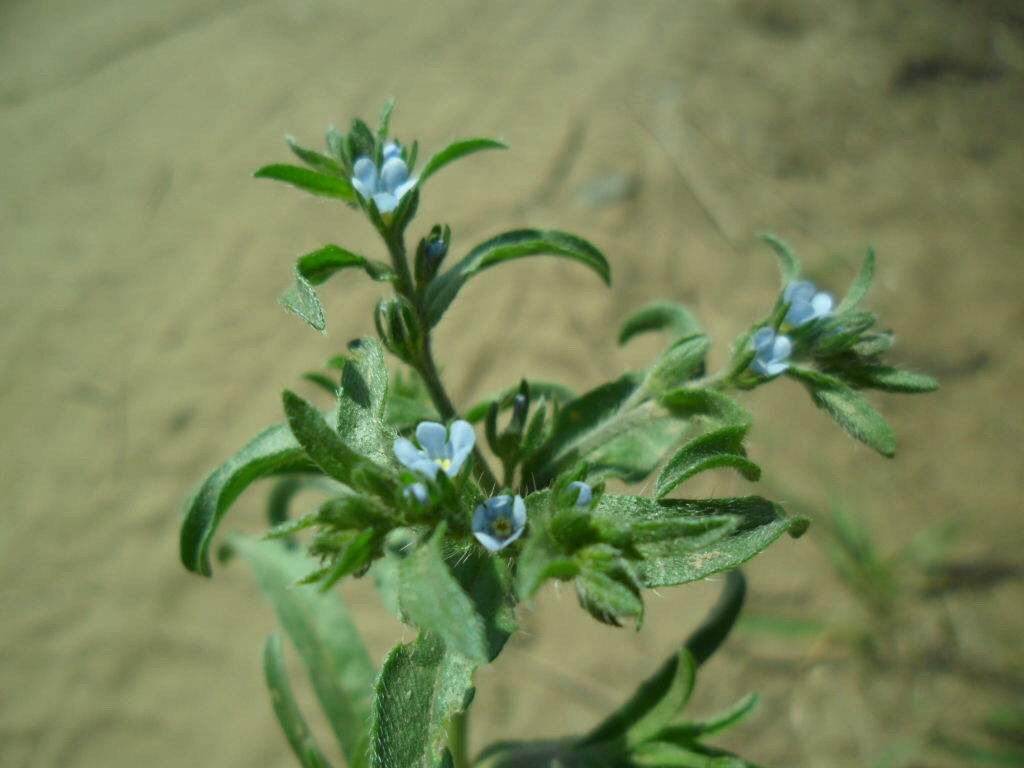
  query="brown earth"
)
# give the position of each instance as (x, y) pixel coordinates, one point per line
(142, 343)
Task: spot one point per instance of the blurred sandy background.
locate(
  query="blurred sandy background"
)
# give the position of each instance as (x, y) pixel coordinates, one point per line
(141, 341)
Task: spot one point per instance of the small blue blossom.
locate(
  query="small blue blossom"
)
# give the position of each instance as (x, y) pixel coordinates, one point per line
(388, 186)
(586, 493)
(499, 521)
(440, 448)
(416, 491)
(806, 303)
(772, 351)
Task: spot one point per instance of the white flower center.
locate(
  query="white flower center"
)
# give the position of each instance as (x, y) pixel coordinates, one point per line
(444, 464)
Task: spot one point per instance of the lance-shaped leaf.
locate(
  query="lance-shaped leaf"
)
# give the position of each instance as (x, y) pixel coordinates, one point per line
(319, 265)
(311, 181)
(633, 455)
(273, 451)
(848, 408)
(301, 299)
(454, 151)
(758, 523)
(711, 633)
(420, 687)
(487, 581)
(321, 443)
(322, 632)
(434, 601)
(685, 403)
(287, 710)
(861, 284)
(686, 733)
(713, 450)
(316, 160)
(508, 246)
(889, 379)
(789, 265)
(683, 360)
(674, 319)
(363, 402)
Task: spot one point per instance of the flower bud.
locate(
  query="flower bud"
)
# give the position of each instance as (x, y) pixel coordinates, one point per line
(431, 252)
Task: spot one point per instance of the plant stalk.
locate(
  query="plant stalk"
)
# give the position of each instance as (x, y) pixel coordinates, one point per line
(458, 739)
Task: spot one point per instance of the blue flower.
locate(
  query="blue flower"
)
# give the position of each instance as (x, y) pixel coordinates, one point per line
(499, 521)
(806, 303)
(387, 187)
(772, 351)
(440, 448)
(586, 493)
(416, 491)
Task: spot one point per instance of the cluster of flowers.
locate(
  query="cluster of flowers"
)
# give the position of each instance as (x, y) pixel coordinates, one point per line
(497, 522)
(772, 349)
(387, 186)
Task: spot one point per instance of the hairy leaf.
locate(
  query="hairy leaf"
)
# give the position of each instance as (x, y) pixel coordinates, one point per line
(321, 443)
(505, 247)
(322, 632)
(311, 181)
(789, 265)
(861, 284)
(556, 393)
(454, 151)
(675, 319)
(316, 160)
(363, 402)
(273, 451)
(287, 710)
(889, 379)
(420, 687)
(301, 299)
(713, 450)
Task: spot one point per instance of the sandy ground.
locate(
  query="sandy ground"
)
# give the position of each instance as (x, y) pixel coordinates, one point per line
(141, 340)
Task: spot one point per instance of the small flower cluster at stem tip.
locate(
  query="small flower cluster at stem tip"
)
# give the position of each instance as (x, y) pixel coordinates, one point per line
(387, 186)
(773, 349)
(497, 522)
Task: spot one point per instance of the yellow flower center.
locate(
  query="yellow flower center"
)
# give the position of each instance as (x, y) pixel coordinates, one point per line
(502, 526)
(444, 464)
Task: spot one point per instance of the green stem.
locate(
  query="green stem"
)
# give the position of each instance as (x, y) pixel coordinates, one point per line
(458, 739)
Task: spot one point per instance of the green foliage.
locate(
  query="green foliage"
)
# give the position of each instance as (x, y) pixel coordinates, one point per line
(789, 264)
(860, 286)
(362, 416)
(287, 709)
(720, 448)
(507, 247)
(454, 151)
(314, 182)
(674, 319)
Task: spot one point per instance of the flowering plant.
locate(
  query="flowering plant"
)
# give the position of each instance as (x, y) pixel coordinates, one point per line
(410, 497)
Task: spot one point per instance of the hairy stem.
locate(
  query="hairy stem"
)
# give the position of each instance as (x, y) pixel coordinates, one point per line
(458, 739)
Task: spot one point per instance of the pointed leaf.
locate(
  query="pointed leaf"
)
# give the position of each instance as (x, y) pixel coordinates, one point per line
(789, 265)
(311, 181)
(686, 403)
(674, 319)
(322, 632)
(273, 451)
(319, 265)
(849, 409)
(689, 732)
(720, 448)
(432, 599)
(861, 284)
(712, 632)
(317, 160)
(683, 360)
(556, 393)
(322, 444)
(287, 710)
(384, 121)
(454, 151)
(363, 402)
(420, 687)
(301, 299)
(517, 244)
(889, 379)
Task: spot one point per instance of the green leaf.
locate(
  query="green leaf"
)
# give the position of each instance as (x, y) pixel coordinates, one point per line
(287, 710)
(319, 265)
(311, 181)
(322, 632)
(323, 381)
(607, 588)
(633, 455)
(487, 582)
(653, 706)
(759, 522)
(789, 265)
(363, 402)
(889, 379)
(668, 316)
(454, 151)
(358, 554)
(849, 409)
(688, 732)
(316, 160)
(384, 121)
(861, 284)
(556, 393)
(505, 247)
(322, 444)
(301, 299)
(273, 451)
(720, 448)
(432, 599)
(685, 403)
(711, 633)
(420, 687)
(683, 360)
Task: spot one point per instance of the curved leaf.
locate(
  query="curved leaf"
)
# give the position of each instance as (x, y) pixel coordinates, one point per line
(713, 450)
(789, 264)
(301, 299)
(316, 160)
(273, 451)
(311, 181)
(454, 151)
(319, 265)
(517, 244)
(889, 379)
(287, 709)
(675, 319)
(712, 632)
(321, 443)
(861, 284)
(324, 636)
(686, 403)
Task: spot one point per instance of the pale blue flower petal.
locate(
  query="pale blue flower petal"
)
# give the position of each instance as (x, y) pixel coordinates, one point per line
(501, 508)
(822, 304)
(781, 349)
(763, 339)
(799, 292)
(407, 453)
(364, 191)
(386, 202)
(518, 516)
(416, 491)
(490, 543)
(774, 368)
(391, 149)
(402, 189)
(365, 172)
(586, 493)
(394, 173)
(433, 438)
(461, 442)
(799, 314)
